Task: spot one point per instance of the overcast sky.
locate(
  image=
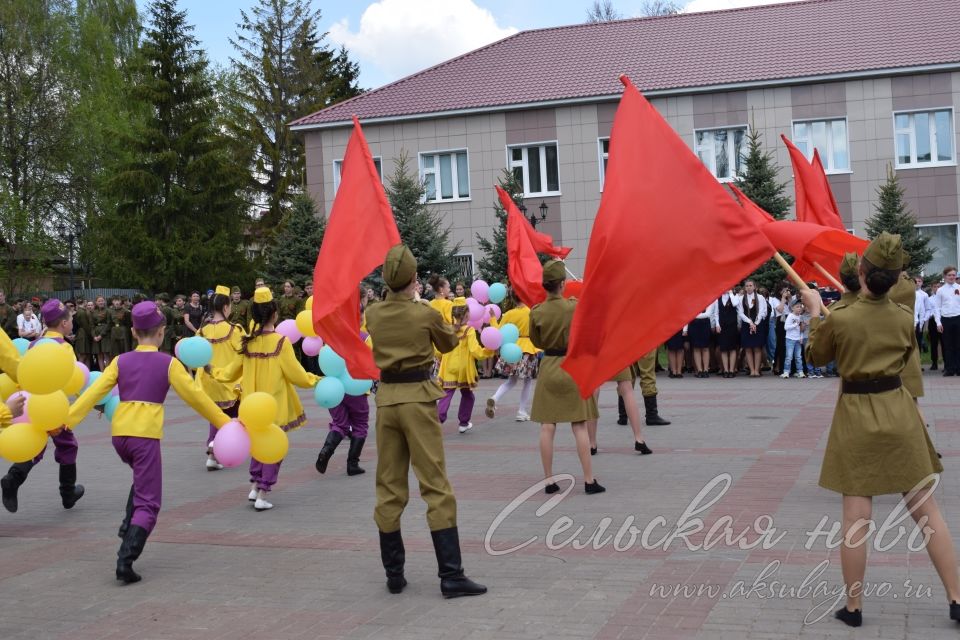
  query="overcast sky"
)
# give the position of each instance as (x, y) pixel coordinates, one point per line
(394, 38)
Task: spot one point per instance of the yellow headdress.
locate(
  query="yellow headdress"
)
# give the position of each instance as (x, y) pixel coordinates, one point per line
(222, 290)
(262, 294)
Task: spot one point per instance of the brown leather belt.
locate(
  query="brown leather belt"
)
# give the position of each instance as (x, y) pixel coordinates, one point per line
(412, 375)
(556, 353)
(877, 385)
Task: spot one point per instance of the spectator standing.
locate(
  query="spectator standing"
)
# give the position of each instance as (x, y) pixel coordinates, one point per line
(933, 336)
(193, 315)
(8, 317)
(28, 324)
(946, 311)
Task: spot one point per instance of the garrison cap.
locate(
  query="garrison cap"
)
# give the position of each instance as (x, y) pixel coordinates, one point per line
(399, 267)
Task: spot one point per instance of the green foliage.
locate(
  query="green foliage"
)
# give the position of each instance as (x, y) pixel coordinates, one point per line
(893, 216)
(293, 255)
(493, 263)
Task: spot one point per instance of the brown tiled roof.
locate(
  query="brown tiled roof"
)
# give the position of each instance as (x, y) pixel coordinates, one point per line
(684, 51)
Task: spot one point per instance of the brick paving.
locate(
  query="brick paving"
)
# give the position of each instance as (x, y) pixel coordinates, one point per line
(310, 568)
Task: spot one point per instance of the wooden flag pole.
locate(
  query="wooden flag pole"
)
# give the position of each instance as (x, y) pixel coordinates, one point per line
(826, 274)
(795, 277)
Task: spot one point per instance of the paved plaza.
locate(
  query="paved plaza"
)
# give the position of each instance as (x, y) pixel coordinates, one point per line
(310, 568)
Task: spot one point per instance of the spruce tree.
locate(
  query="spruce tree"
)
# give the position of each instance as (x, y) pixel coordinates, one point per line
(294, 253)
(493, 263)
(893, 216)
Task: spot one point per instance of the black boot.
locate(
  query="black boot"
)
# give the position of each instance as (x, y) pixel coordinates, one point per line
(653, 417)
(453, 584)
(353, 457)
(70, 491)
(130, 550)
(622, 409)
(11, 482)
(126, 519)
(333, 439)
(393, 557)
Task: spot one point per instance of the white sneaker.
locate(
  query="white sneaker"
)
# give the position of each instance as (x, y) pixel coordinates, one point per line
(800, 375)
(261, 504)
(213, 465)
(252, 495)
(466, 427)
(522, 417)
(785, 374)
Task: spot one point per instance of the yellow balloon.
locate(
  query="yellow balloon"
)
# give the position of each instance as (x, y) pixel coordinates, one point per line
(305, 323)
(269, 445)
(21, 442)
(7, 386)
(48, 412)
(258, 410)
(308, 304)
(46, 368)
(76, 382)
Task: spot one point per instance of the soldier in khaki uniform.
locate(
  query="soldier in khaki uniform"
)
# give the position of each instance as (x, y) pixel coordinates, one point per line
(646, 369)
(288, 305)
(878, 444)
(162, 301)
(120, 324)
(404, 335)
(239, 309)
(8, 318)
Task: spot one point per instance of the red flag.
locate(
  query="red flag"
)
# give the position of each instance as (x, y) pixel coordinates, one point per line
(811, 243)
(760, 215)
(815, 202)
(542, 243)
(663, 218)
(523, 265)
(360, 231)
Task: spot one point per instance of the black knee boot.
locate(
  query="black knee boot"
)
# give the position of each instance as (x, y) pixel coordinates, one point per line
(326, 451)
(130, 550)
(70, 491)
(393, 556)
(622, 410)
(353, 457)
(653, 417)
(11, 482)
(453, 584)
(126, 519)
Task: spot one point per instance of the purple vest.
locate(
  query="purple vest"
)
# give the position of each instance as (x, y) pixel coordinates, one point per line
(143, 376)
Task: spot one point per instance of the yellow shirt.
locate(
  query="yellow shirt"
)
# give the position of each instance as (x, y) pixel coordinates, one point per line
(225, 338)
(9, 356)
(269, 365)
(519, 316)
(458, 368)
(144, 419)
(445, 307)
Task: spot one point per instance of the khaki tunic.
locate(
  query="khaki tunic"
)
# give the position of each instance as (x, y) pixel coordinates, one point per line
(556, 397)
(8, 321)
(100, 320)
(288, 307)
(878, 443)
(240, 313)
(119, 330)
(904, 292)
(82, 342)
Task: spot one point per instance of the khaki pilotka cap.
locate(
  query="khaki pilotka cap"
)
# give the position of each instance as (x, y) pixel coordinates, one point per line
(886, 252)
(848, 266)
(554, 270)
(399, 267)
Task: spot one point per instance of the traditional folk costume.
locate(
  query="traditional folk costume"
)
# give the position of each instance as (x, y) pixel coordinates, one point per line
(458, 370)
(404, 335)
(524, 371)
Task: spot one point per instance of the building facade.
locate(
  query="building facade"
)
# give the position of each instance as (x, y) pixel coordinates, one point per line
(898, 113)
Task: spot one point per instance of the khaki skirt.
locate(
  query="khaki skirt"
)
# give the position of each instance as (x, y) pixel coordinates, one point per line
(556, 397)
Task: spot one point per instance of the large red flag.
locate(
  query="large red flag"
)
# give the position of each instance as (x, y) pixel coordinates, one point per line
(542, 243)
(815, 201)
(523, 265)
(360, 231)
(663, 218)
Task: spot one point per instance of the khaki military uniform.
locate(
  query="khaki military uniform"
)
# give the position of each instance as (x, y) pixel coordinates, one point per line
(240, 313)
(167, 345)
(119, 330)
(83, 340)
(404, 334)
(179, 326)
(8, 321)
(904, 293)
(556, 397)
(288, 307)
(100, 320)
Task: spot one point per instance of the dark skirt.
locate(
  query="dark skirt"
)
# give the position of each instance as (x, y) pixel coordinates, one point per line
(675, 342)
(699, 332)
(752, 340)
(729, 339)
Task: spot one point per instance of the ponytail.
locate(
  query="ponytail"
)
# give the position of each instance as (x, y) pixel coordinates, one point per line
(262, 313)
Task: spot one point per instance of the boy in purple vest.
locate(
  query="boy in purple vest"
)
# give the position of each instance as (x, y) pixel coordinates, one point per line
(57, 318)
(144, 377)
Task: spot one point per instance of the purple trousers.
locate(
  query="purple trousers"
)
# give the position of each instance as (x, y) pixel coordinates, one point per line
(143, 456)
(351, 418)
(64, 448)
(232, 412)
(467, 399)
(264, 475)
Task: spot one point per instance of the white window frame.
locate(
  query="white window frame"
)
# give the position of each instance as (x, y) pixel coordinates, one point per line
(731, 158)
(942, 224)
(828, 167)
(511, 164)
(601, 157)
(454, 175)
(912, 133)
(338, 167)
(473, 265)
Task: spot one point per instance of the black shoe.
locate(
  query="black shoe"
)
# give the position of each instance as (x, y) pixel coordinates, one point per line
(453, 583)
(955, 611)
(130, 550)
(622, 422)
(70, 491)
(122, 531)
(11, 482)
(855, 618)
(642, 448)
(933, 367)
(948, 374)
(653, 417)
(593, 487)
(593, 451)
(353, 457)
(553, 487)
(326, 451)
(393, 556)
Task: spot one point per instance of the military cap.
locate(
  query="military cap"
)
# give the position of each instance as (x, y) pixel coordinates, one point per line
(886, 252)
(235, 289)
(554, 270)
(848, 266)
(399, 267)
(163, 296)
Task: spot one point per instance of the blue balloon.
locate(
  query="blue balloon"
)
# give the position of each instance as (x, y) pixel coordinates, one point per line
(511, 353)
(329, 392)
(93, 378)
(510, 333)
(195, 352)
(22, 344)
(354, 387)
(332, 364)
(497, 293)
(110, 406)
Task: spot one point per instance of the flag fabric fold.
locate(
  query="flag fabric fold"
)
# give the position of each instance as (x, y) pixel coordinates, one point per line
(815, 201)
(523, 266)
(666, 242)
(542, 243)
(360, 231)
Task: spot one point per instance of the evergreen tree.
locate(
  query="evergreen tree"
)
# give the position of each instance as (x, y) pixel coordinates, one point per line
(893, 216)
(758, 181)
(283, 70)
(294, 253)
(493, 263)
(178, 220)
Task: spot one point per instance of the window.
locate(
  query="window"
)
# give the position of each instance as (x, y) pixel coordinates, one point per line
(722, 151)
(536, 167)
(604, 149)
(338, 167)
(464, 265)
(924, 138)
(829, 137)
(943, 240)
(445, 175)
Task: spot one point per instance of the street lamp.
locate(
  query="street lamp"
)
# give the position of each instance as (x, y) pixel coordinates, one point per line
(543, 214)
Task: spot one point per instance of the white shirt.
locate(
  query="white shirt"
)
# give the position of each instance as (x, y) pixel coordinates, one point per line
(772, 304)
(928, 311)
(792, 327)
(27, 326)
(946, 304)
(746, 300)
(732, 297)
(920, 308)
(713, 312)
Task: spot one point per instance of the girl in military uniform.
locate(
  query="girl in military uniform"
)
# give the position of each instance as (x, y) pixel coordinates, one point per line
(878, 444)
(119, 319)
(83, 339)
(100, 347)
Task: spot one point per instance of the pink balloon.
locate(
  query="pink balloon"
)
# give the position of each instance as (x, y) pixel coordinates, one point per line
(23, 417)
(493, 311)
(491, 338)
(289, 329)
(476, 324)
(86, 373)
(474, 310)
(480, 291)
(231, 446)
(311, 346)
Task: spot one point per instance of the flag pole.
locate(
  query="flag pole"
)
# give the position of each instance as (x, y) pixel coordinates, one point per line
(795, 277)
(571, 273)
(826, 274)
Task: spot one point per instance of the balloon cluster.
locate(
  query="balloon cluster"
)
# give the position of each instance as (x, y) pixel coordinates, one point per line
(47, 374)
(252, 434)
(195, 352)
(482, 309)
